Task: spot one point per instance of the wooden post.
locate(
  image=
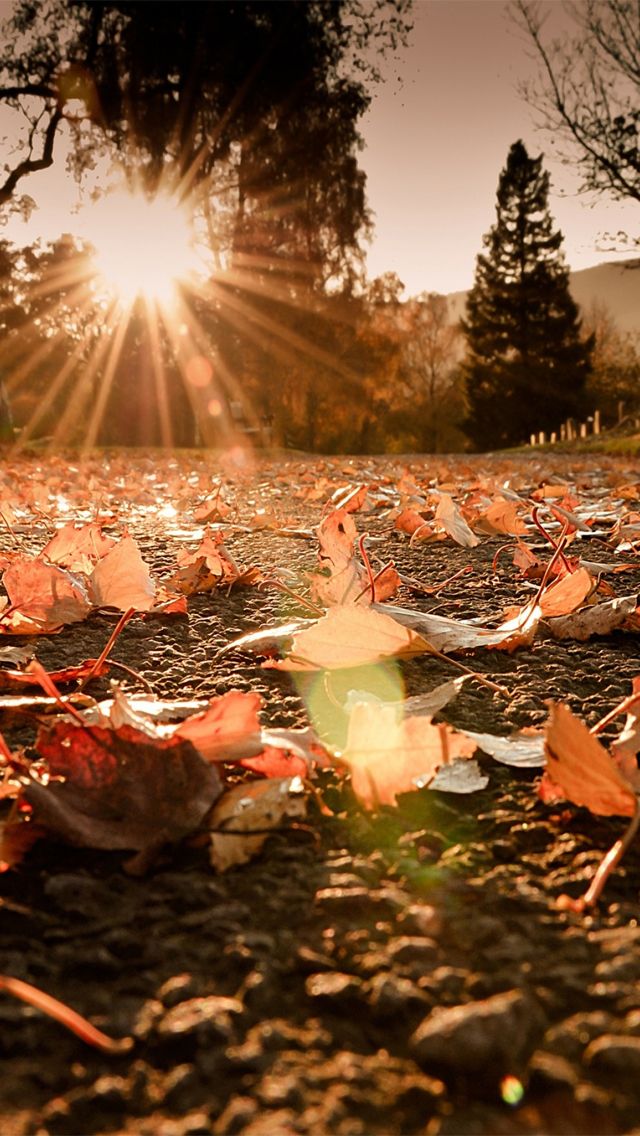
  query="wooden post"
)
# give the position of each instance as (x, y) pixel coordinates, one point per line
(542, 438)
(563, 432)
(570, 430)
(533, 439)
(620, 410)
(554, 438)
(583, 429)
(596, 422)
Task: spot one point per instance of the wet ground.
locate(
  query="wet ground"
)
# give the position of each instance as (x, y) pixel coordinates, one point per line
(400, 973)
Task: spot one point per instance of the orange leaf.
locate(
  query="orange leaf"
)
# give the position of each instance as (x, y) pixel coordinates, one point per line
(581, 769)
(566, 594)
(122, 579)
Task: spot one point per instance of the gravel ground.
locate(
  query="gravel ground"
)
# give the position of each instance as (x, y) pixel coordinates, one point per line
(393, 974)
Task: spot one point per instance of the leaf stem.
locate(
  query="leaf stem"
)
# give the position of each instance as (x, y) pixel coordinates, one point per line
(65, 1015)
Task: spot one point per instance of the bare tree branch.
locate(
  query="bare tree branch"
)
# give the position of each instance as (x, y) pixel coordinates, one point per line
(31, 165)
(589, 95)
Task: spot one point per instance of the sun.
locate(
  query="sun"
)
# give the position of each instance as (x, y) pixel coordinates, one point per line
(142, 246)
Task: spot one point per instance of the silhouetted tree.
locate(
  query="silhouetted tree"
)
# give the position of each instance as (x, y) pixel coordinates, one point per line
(527, 365)
(252, 101)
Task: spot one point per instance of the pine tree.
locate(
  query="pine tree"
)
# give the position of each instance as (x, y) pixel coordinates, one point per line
(527, 365)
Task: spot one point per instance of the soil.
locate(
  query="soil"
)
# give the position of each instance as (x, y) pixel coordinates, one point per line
(402, 973)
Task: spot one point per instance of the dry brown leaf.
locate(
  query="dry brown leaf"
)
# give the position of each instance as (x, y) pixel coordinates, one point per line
(502, 517)
(44, 595)
(579, 769)
(449, 517)
(388, 754)
(252, 808)
(78, 548)
(117, 789)
(448, 635)
(566, 594)
(122, 579)
(600, 619)
(230, 721)
(350, 636)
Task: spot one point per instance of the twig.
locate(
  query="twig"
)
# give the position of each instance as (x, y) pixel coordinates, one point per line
(621, 708)
(541, 529)
(65, 1015)
(367, 564)
(607, 865)
(294, 595)
(102, 657)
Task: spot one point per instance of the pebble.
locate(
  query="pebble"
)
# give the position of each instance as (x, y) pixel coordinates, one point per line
(570, 1037)
(391, 996)
(494, 1036)
(177, 989)
(421, 919)
(328, 986)
(615, 1057)
(200, 1020)
(411, 948)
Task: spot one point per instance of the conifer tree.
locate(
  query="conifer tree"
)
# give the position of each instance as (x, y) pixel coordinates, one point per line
(527, 365)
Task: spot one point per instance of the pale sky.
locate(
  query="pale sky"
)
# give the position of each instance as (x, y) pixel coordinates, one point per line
(437, 136)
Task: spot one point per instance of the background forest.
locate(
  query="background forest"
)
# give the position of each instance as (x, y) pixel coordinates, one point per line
(281, 338)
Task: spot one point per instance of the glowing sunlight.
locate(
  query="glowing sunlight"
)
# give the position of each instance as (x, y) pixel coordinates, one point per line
(142, 247)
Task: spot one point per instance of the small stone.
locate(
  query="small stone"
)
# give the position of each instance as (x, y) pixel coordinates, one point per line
(334, 987)
(620, 968)
(411, 948)
(617, 1058)
(493, 1036)
(109, 1093)
(281, 1092)
(570, 1038)
(392, 996)
(309, 961)
(200, 1020)
(180, 1088)
(421, 919)
(77, 893)
(177, 989)
(236, 1117)
(549, 1071)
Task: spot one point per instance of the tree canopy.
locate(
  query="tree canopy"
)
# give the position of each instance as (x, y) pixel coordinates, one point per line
(244, 102)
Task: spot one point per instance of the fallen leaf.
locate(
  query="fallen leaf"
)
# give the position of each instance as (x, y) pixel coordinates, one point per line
(579, 769)
(117, 789)
(461, 776)
(222, 731)
(44, 595)
(122, 579)
(524, 750)
(448, 635)
(502, 517)
(563, 596)
(350, 636)
(389, 754)
(450, 518)
(244, 812)
(78, 548)
(599, 619)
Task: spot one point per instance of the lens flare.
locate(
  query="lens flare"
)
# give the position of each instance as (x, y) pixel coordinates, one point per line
(511, 1090)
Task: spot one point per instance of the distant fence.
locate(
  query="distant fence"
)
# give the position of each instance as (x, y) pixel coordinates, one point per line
(570, 430)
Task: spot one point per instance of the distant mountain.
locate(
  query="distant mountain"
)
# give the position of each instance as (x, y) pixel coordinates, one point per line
(614, 283)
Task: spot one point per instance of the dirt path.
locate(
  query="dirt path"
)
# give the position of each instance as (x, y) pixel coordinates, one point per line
(405, 973)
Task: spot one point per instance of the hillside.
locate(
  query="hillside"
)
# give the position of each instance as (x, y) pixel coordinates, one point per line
(614, 283)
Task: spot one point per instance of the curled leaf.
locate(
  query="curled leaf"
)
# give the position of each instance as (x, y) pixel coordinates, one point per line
(244, 813)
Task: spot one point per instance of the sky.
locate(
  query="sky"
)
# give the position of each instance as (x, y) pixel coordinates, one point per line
(436, 137)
